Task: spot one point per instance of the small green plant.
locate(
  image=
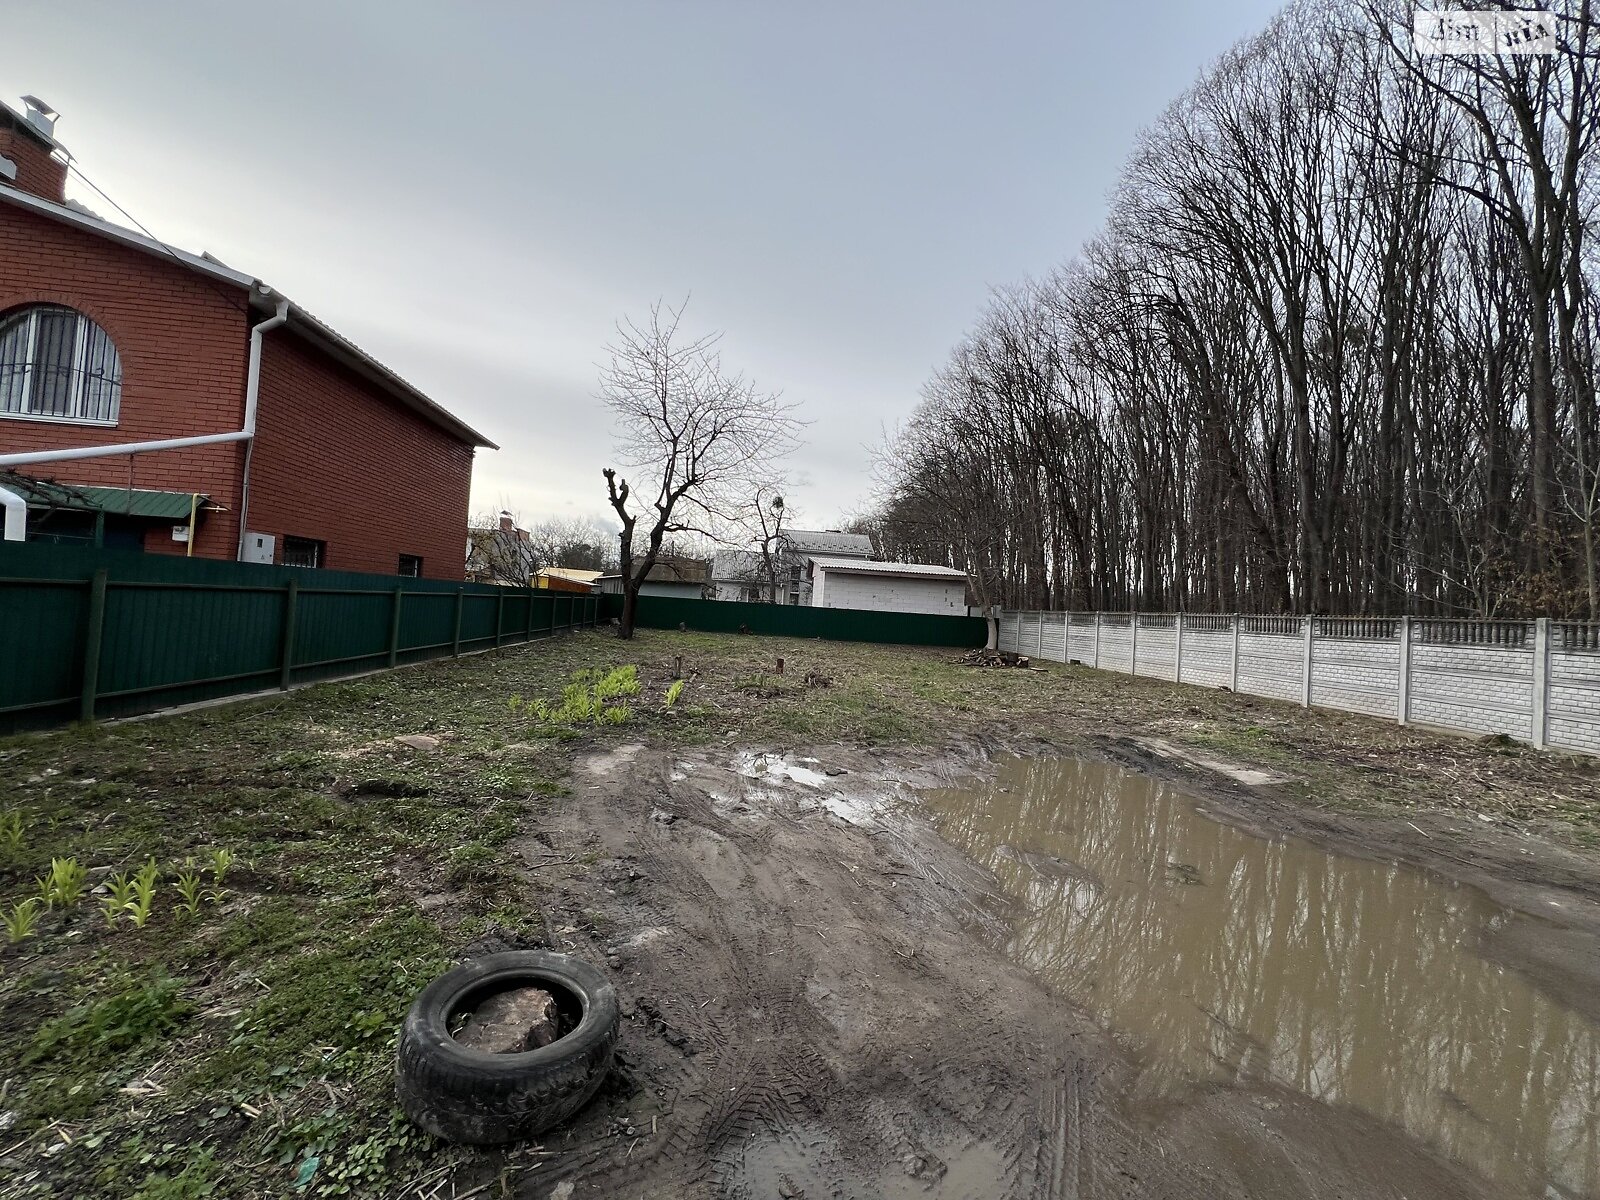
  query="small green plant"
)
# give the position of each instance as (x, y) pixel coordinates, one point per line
(515, 703)
(675, 691)
(144, 893)
(222, 861)
(118, 899)
(11, 831)
(584, 700)
(22, 921)
(190, 886)
(67, 880)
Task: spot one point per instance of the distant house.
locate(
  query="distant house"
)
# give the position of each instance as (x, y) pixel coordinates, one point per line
(887, 586)
(565, 579)
(742, 574)
(685, 578)
(159, 400)
(501, 554)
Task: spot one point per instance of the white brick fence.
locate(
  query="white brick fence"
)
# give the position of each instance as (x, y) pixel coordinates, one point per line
(1538, 681)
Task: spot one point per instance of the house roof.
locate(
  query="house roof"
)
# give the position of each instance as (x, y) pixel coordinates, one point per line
(263, 300)
(572, 573)
(673, 570)
(828, 541)
(858, 566)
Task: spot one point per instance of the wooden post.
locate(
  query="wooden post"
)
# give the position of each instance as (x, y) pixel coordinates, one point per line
(1305, 664)
(455, 638)
(93, 632)
(1235, 667)
(394, 626)
(1541, 681)
(291, 612)
(1402, 706)
(1177, 671)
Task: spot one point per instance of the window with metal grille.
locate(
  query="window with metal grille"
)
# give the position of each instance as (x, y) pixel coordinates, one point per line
(411, 566)
(56, 364)
(304, 552)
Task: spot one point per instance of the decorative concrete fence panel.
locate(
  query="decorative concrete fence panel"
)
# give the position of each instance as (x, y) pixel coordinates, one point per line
(1157, 646)
(1538, 681)
(1272, 657)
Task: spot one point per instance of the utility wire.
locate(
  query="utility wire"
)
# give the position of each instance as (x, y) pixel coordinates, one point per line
(72, 166)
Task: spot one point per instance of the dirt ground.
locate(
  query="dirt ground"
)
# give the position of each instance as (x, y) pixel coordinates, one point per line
(816, 998)
(817, 1008)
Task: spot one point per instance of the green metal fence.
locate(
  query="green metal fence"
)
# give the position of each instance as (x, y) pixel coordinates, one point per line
(88, 633)
(786, 620)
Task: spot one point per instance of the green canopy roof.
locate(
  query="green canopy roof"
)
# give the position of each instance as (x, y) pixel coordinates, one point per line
(132, 502)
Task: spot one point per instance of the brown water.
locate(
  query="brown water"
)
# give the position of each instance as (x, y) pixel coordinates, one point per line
(1224, 956)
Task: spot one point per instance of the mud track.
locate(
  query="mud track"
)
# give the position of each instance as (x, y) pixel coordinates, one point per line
(815, 1007)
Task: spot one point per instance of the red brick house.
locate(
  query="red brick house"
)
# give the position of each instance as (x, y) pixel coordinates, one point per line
(294, 445)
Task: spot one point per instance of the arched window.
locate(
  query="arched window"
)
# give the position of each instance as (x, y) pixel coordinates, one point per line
(57, 364)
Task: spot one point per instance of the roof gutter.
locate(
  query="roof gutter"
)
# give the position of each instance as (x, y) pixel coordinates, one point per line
(74, 454)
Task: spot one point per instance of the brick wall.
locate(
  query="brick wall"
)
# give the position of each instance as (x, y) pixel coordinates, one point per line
(1480, 677)
(338, 461)
(184, 344)
(37, 171)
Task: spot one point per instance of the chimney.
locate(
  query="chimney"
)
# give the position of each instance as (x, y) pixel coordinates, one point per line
(507, 525)
(27, 151)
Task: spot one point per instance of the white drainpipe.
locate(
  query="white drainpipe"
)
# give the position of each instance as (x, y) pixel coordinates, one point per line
(17, 508)
(16, 523)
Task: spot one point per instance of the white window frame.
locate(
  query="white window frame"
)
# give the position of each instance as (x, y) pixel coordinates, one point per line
(80, 349)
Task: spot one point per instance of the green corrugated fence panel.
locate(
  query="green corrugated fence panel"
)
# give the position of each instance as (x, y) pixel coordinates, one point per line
(427, 622)
(216, 628)
(41, 642)
(157, 638)
(342, 631)
(787, 620)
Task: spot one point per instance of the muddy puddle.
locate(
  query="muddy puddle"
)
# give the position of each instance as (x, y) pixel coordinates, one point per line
(1218, 956)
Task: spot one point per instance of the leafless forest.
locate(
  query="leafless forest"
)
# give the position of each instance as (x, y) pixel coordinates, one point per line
(1333, 350)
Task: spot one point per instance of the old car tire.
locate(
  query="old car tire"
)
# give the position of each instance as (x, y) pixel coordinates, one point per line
(472, 1096)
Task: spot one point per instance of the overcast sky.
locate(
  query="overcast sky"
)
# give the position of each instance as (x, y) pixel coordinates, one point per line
(474, 192)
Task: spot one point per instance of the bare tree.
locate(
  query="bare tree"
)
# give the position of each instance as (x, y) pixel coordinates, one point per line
(696, 436)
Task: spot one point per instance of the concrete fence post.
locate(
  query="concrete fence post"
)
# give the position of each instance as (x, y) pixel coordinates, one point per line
(1233, 668)
(1097, 639)
(1039, 653)
(1305, 682)
(1541, 681)
(1177, 653)
(1133, 642)
(1403, 700)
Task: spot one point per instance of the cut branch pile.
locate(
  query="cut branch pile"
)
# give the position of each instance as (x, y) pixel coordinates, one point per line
(994, 658)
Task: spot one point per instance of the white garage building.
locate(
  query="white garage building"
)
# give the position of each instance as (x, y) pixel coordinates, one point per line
(887, 586)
